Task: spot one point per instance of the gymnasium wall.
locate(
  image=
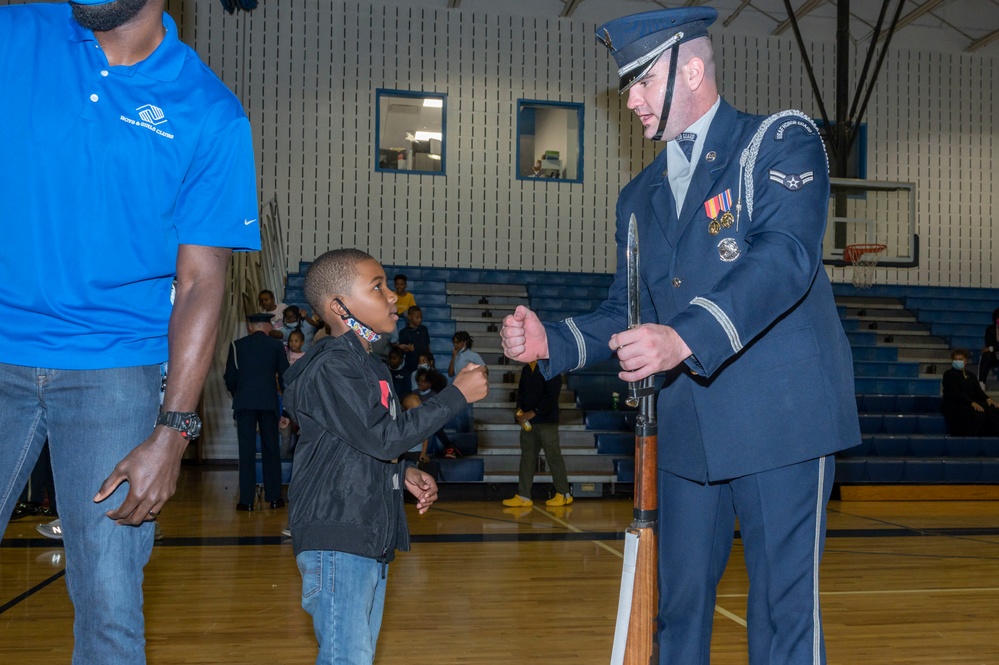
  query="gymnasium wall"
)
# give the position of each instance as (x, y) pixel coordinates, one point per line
(307, 72)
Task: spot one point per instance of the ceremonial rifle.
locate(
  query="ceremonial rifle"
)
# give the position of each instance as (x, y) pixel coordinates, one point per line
(638, 605)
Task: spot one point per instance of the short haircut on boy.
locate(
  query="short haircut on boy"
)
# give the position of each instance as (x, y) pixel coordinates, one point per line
(332, 273)
(400, 276)
(414, 308)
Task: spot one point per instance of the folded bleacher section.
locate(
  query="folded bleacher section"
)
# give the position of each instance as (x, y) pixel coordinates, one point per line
(901, 338)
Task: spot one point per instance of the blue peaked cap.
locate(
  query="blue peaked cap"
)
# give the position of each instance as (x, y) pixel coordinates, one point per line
(90, 2)
(638, 41)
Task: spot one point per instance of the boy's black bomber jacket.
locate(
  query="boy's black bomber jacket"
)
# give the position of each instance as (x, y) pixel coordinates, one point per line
(346, 490)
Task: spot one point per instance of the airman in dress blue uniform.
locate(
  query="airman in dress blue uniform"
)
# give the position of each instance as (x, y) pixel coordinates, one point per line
(254, 373)
(739, 315)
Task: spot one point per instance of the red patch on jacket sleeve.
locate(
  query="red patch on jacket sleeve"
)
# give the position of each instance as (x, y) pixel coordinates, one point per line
(384, 386)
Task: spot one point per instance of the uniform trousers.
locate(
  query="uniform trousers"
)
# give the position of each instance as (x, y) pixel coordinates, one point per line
(543, 436)
(782, 522)
(92, 419)
(247, 423)
(989, 360)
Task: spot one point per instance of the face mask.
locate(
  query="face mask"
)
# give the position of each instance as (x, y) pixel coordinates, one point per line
(357, 326)
(958, 364)
(423, 366)
(425, 392)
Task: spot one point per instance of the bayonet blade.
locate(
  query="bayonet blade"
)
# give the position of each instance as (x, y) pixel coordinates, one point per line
(639, 389)
(634, 293)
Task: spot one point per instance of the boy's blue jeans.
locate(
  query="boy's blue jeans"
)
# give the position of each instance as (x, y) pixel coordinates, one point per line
(345, 594)
(92, 419)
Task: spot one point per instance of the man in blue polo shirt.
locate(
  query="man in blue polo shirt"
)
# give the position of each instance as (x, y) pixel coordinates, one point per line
(128, 178)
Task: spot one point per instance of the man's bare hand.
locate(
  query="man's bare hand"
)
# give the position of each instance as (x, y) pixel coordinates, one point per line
(151, 471)
(524, 337)
(648, 349)
(423, 486)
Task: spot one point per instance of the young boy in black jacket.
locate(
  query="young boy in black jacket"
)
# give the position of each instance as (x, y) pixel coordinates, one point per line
(347, 517)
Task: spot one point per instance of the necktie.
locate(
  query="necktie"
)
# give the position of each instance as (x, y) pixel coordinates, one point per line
(686, 143)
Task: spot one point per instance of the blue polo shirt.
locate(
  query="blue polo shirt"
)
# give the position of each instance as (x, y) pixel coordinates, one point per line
(104, 172)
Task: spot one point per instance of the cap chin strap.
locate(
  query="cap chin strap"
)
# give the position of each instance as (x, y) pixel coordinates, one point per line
(358, 326)
(668, 98)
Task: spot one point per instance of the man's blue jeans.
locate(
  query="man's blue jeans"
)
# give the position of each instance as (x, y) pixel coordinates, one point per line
(345, 594)
(92, 419)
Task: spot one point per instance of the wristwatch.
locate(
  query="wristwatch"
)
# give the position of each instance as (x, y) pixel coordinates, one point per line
(188, 424)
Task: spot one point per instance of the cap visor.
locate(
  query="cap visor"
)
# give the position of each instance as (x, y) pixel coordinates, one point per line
(633, 76)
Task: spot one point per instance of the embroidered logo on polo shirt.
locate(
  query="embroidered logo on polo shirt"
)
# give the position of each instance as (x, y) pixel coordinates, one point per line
(150, 117)
(152, 114)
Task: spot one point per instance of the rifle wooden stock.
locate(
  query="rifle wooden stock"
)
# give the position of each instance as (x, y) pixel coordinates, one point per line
(641, 648)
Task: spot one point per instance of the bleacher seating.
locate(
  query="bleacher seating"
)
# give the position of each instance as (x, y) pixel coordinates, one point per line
(900, 338)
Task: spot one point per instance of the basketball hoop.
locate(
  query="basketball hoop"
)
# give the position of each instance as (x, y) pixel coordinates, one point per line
(864, 259)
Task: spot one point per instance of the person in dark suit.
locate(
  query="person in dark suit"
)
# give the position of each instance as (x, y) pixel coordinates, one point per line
(253, 375)
(738, 313)
(990, 352)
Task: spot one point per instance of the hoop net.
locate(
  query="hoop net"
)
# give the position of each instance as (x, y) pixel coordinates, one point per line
(864, 259)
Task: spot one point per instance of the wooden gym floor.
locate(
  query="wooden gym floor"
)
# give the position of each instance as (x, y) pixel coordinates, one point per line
(903, 582)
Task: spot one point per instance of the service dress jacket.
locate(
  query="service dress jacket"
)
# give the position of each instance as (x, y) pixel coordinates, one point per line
(770, 382)
(254, 372)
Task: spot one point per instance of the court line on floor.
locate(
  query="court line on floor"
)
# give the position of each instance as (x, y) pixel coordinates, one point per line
(881, 592)
(30, 592)
(720, 610)
(575, 529)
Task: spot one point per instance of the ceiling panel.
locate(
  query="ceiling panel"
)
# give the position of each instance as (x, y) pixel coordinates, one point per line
(940, 25)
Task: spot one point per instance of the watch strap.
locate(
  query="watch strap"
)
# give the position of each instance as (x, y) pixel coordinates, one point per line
(186, 422)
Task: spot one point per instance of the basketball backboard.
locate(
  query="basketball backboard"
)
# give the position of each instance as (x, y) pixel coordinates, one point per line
(872, 211)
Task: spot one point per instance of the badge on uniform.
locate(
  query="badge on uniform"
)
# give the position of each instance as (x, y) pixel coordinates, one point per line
(717, 209)
(788, 124)
(728, 250)
(792, 181)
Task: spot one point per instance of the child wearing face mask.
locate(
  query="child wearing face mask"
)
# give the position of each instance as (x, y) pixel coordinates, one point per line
(438, 443)
(425, 361)
(347, 516)
(967, 408)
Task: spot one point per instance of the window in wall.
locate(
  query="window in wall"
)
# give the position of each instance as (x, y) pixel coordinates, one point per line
(549, 140)
(409, 132)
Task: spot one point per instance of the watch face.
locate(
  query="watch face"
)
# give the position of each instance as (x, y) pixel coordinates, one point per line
(192, 426)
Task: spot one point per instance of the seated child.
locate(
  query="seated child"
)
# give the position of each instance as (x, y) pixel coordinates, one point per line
(400, 377)
(347, 513)
(296, 340)
(423, 363)
(297, 319)
(404, 299)
(438, 444)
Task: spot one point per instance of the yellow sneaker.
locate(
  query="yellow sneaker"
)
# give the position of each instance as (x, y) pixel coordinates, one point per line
(559, 500)
(518, 502)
